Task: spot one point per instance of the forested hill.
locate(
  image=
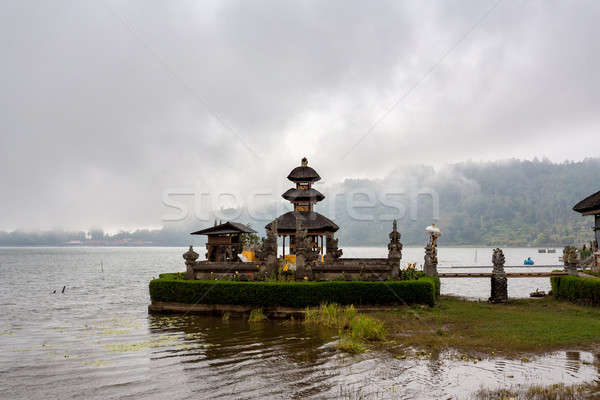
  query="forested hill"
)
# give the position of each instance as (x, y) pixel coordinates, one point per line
(505, 203)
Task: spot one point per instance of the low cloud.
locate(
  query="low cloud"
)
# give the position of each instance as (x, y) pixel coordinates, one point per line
(107, 105)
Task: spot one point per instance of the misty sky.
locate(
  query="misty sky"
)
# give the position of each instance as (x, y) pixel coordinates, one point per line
(107, 104)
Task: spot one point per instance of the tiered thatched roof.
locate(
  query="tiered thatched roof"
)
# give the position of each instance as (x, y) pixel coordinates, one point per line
(590, 205)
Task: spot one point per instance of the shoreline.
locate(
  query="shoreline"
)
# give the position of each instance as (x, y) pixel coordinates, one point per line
(520, 328)
(242, 311)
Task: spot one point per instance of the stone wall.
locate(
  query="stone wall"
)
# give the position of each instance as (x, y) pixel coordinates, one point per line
(225, 270)
(363, 269)
(307, 265)
(368, 269)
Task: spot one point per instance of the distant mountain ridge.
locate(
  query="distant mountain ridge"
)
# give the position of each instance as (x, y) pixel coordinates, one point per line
(503, 203)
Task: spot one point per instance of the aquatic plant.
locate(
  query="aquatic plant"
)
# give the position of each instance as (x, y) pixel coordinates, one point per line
(353, 328)
(536, 392)
(257, 315)
(350, 345)
(367, 328)
(330, 315)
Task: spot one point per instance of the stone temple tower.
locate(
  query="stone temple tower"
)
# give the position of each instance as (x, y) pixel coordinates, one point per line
(303, 198)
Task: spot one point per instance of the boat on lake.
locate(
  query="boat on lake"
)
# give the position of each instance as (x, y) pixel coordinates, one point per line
(537, 293)
(546, 250)
(528, 261)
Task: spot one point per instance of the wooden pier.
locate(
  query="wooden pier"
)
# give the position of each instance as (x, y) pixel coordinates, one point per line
(508, 275)
(508, 266)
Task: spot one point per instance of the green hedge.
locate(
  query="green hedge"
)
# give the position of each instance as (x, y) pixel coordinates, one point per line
(576, 289)
(171, 288)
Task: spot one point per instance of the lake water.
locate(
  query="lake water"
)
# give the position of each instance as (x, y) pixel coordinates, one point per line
(97, 341)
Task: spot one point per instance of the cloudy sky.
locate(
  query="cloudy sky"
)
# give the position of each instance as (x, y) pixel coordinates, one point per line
(107, 105)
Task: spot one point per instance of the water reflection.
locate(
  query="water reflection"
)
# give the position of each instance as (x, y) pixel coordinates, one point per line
(573, 361)
(275, 359)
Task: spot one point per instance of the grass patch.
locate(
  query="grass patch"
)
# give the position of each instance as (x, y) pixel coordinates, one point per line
(527, 325)
(257, 315)
(593, 273)
(552, 392)
(354, 329)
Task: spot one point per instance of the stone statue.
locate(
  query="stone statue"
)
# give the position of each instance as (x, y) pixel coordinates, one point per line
(573, 255)
(305, 256)
(498, 260)
(268, 246)
(395, 247)
(267, 253)
(259, 250)
(570, 259)
(333, 252)
(190, 258)
(301, 250)
(304, 244)
(395, 250)
(499, 283)
(431, 261)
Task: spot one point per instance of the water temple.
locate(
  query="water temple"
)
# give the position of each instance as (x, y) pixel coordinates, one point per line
(310, 250)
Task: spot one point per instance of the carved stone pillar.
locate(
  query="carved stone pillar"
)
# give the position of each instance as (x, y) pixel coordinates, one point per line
(499, 283)
(431, 261)
(190, 258)
(301, 250)
(395, 251)
(268, 250)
